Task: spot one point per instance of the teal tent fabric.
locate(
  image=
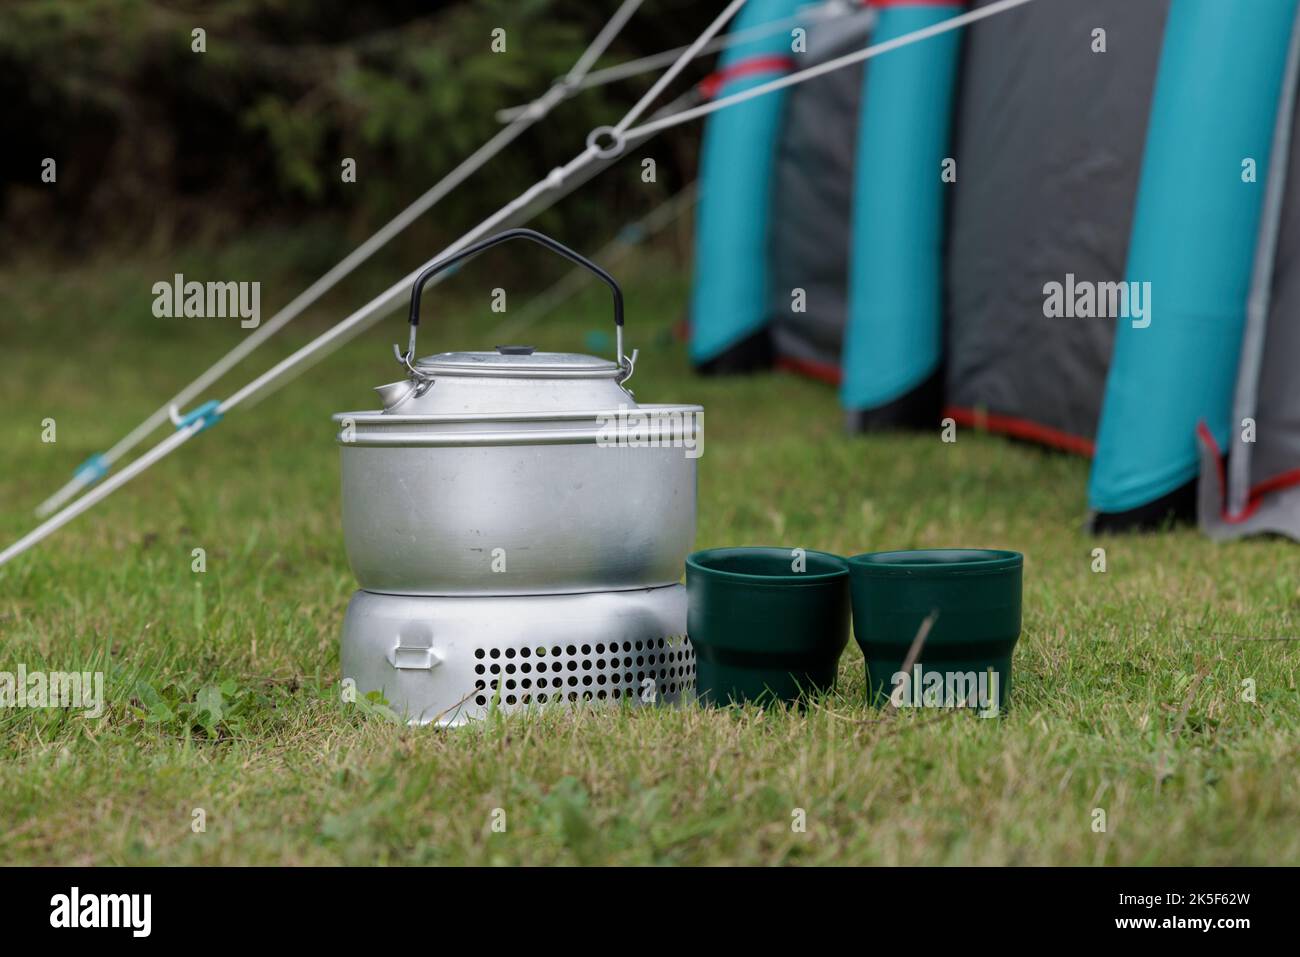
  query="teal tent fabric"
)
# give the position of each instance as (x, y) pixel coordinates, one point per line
(738, 155)
(894, 338)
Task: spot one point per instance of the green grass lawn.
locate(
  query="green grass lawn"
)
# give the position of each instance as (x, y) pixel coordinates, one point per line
(1129, 685)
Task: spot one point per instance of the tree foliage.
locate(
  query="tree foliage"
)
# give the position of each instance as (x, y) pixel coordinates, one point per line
(154, 140)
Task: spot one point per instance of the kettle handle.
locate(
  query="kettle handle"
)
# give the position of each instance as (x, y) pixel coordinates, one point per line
(506, 235)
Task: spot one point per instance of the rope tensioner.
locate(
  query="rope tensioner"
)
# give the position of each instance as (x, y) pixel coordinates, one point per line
(607, 142)
(93, 469)
(207, 415)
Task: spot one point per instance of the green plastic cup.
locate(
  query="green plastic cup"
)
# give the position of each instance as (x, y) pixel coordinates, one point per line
(966, 658)
(764, 630)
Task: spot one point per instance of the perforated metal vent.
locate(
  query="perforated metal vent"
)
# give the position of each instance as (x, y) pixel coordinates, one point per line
(601, 671)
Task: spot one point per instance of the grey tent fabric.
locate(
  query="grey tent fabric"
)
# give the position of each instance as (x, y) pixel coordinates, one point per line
(812, 199)
(1276, 513)
(1049, 140)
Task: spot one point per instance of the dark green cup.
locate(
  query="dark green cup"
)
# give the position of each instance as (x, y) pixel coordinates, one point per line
(763, 631)
(976, 594)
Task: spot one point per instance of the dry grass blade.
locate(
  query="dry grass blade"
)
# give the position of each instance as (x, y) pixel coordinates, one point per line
(914, 650)
(1163, 770)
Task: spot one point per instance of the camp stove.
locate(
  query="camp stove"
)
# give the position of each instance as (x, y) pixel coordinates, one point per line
(518, 524)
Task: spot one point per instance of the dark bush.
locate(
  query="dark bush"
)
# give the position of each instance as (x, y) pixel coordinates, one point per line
(157, 143)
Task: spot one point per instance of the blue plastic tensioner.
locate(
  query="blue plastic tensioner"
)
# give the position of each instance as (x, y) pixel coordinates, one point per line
(92, 470)
(207, 414)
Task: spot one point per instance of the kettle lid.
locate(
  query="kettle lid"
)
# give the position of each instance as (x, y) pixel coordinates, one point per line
(517, 362)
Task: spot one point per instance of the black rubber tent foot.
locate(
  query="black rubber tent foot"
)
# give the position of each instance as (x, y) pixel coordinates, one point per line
(751, 354)
(918, 409)
(1176, 508)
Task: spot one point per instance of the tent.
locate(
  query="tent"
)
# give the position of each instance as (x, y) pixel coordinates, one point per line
(1048, 225)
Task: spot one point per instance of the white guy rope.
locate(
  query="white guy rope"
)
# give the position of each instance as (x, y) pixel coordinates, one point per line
(543, 202)
(300, 303)
(821, 69)
(392, 297)
(603, 39)
(826, 12)
(380, 306)
(101, 491)
(297, 306)
(687, 55)
(533, 113)
(560, 183)
(540, 206)
(374, 308)
(400, 289)
(555, 180)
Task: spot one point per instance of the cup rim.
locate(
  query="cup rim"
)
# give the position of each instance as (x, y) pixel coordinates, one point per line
(939, 561)
(696, 561)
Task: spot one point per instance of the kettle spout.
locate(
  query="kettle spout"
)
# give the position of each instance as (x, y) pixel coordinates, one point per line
(395, 393)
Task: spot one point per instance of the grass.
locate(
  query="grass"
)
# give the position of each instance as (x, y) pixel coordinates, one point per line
(223, 687)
